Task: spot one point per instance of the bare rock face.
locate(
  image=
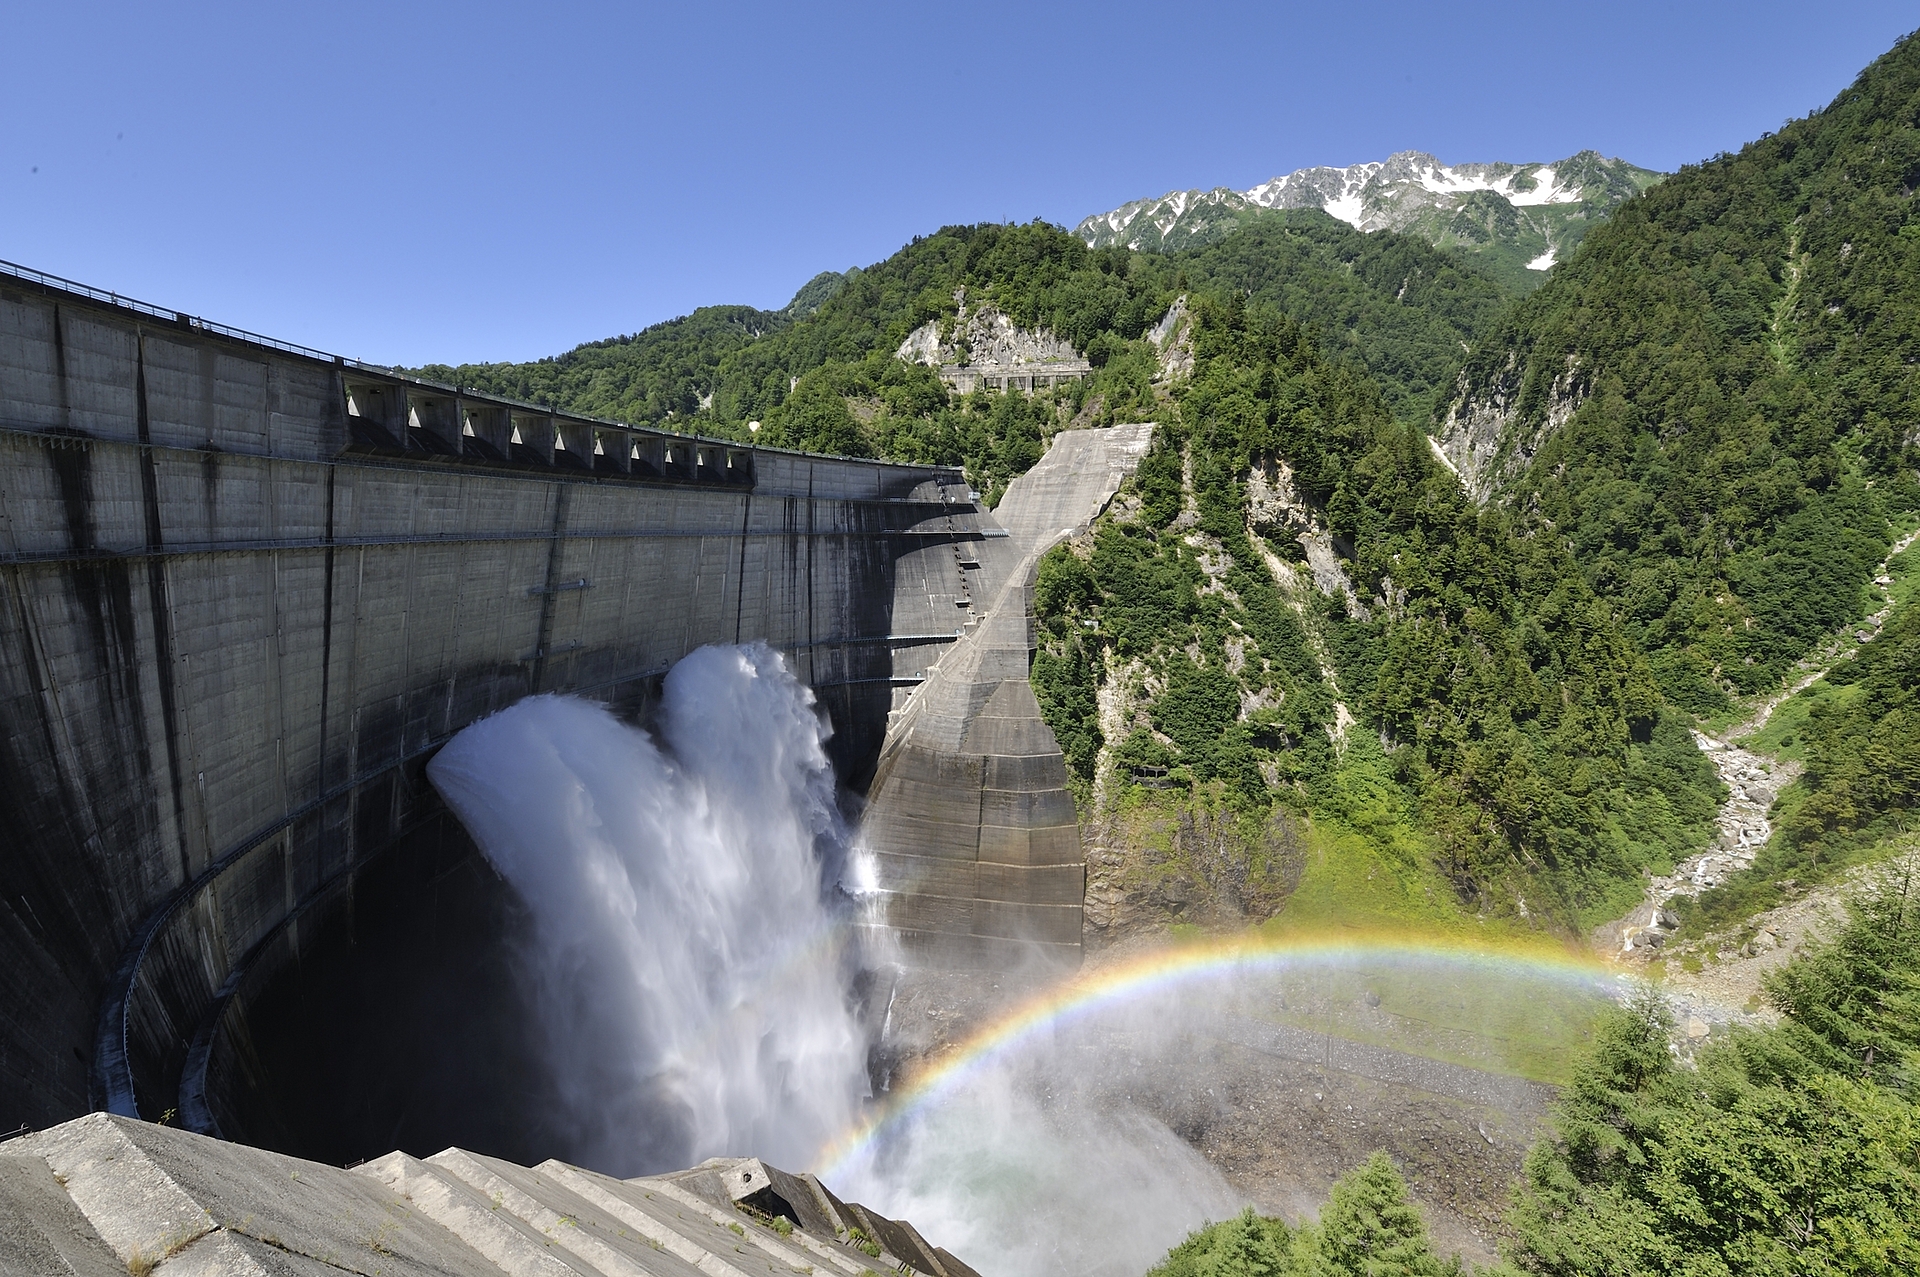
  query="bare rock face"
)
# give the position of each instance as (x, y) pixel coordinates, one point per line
(1173, 338)
(1280, 512)
(1145, 873)
(984, 337)
(1485, 438)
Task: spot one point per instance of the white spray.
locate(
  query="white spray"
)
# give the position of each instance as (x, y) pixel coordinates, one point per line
(691, 963)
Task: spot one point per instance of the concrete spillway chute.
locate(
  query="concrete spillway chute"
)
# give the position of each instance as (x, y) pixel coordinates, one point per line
(971, 824)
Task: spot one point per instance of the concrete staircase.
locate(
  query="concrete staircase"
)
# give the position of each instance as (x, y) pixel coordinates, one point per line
(106, 1196)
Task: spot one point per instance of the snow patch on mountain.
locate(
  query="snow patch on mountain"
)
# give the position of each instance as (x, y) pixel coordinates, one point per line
(1547, 207)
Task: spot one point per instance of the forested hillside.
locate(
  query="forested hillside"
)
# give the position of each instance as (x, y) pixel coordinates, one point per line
(1681, 457)
(820, 374)
(1461, 683)
(1713, 404)
(1390, 303)
(660, 373)
(1522, 726)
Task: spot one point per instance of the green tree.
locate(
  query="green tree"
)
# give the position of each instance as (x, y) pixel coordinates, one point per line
(1787, 1150)
(1709, 402)
(1368, 1228)
(1247, 1245)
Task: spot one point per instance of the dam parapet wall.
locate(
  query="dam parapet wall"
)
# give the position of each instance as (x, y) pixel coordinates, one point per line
(246, 589)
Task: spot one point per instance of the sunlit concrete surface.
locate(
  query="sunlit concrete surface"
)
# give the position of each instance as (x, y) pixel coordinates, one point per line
(109, 1195)
(974, 835)
(247, 589)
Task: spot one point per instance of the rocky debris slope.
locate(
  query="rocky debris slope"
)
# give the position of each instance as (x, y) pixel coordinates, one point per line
(1281, 1111)
(1172, 337)
(1753, 782)
(1478, 440)
(1719, 980)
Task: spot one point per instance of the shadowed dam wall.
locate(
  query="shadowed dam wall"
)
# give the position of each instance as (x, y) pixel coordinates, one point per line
(247, 589)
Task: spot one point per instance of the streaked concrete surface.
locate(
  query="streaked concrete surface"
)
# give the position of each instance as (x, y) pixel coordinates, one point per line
(110, 1195)
(246, 590)
(970, 822)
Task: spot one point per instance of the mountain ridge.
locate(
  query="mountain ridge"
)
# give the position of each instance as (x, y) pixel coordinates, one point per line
(1518, 218)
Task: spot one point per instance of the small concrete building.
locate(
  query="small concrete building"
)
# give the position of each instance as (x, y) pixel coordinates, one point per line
(966, 378)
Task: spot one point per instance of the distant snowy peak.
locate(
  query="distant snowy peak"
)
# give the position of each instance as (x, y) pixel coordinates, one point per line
(1524, 214)
(1365, 195)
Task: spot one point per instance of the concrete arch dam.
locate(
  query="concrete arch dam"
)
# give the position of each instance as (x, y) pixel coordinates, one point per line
(247, 588)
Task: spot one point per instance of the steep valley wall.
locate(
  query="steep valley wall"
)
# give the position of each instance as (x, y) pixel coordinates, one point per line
(247, 589)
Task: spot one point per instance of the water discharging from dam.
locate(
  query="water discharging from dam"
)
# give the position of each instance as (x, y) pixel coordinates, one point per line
(695, 966)
(691, 961)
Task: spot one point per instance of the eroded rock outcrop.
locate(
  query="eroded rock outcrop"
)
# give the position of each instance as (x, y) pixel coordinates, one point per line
(1173, 338)
(981, 347)
(1487, 439)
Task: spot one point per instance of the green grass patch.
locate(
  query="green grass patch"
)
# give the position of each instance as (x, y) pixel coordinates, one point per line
(1512, 1022)
(1785, 735)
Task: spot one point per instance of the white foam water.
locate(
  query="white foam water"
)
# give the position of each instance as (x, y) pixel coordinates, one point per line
(692, 965)
(692, 962)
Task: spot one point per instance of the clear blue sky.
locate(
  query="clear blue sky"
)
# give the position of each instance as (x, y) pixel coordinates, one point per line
(413, 182)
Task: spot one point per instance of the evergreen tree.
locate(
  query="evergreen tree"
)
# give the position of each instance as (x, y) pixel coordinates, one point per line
(1368, 1228)
(1787, 1150)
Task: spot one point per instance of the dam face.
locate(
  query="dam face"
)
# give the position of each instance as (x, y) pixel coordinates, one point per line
(247, 590)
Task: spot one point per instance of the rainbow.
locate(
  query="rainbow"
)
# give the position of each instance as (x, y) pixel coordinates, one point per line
(1166, 969)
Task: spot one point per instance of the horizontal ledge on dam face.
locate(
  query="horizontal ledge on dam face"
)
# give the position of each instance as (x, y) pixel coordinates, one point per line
(136, 553)
(933, 493)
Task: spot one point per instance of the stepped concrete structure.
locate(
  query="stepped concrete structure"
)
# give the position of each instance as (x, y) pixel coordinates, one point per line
(971, 825)
(247, 589)
(105, 1196)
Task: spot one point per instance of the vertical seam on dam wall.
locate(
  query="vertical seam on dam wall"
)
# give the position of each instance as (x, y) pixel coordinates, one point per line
(160, 613)
(740, 594)
(326, 632)
(549, 594)
(812, 633)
